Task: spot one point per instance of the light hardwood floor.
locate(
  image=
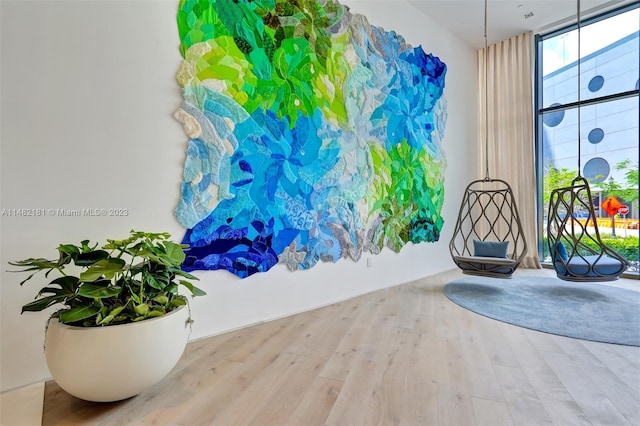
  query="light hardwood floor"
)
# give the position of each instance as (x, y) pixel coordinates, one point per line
(400, 356)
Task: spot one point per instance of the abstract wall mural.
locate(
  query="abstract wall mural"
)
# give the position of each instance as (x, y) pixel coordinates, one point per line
(313, 135)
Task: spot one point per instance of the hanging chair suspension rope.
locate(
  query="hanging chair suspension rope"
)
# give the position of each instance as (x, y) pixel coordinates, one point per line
(486, 96)
(579, 60)
(488, 212)
(581, 261)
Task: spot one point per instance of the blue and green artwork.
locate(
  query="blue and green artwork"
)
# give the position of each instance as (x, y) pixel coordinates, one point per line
(313, 135)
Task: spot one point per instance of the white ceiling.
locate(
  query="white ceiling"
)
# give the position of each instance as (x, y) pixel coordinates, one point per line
(506, 18)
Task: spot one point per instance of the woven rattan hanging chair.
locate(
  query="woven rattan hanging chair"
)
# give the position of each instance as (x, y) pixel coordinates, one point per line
(488, 238)
(577, 251)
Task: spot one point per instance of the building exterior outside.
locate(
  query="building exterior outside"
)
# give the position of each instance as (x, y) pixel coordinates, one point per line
(609, 130)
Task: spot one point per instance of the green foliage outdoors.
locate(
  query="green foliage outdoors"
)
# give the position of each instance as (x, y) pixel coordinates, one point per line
(555, 178)
(125, 281)
(628, 247)
(626, 191)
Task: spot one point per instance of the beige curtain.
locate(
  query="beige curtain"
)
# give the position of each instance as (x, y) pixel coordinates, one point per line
(510, 128)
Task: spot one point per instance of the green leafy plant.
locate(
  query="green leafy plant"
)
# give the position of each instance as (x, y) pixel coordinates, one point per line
(554, 178)
(124, 281)
(628, 247)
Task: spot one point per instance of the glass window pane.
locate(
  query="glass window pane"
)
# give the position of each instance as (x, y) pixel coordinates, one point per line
(609, 129)
(610, 52)
(615, 123)
(609, 164)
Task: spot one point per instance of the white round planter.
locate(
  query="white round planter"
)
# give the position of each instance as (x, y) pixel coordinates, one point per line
(112, 363)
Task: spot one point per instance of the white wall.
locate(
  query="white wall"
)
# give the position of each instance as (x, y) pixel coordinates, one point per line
(88, 92)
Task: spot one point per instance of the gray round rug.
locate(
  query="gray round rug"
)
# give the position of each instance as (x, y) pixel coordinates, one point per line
(588, 311)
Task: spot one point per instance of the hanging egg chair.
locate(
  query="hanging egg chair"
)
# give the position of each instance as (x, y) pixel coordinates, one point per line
(573, 238)
(488, 238)
(577, 251)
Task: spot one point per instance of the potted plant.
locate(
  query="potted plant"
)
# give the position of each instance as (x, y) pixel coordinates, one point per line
(123, 324)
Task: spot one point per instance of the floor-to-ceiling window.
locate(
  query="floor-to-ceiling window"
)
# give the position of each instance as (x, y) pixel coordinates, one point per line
(609, 116)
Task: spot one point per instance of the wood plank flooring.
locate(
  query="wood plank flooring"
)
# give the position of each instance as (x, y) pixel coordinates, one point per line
(400, 356)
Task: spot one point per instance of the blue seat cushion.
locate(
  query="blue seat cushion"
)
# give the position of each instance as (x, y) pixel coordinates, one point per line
(591, 266)
(490, 248)
(560, 252)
